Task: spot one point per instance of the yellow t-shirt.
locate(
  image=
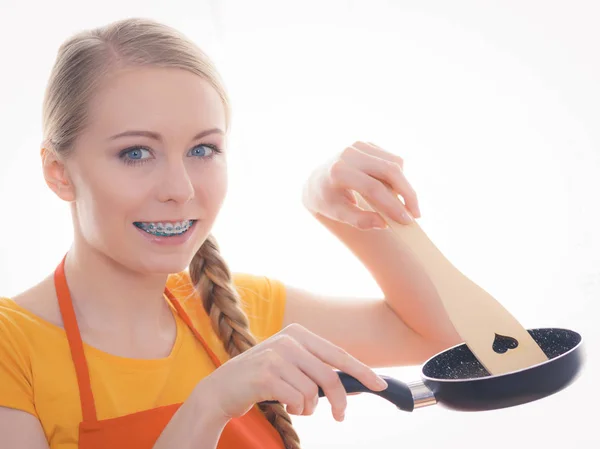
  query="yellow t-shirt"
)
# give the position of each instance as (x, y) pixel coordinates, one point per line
(37, 374)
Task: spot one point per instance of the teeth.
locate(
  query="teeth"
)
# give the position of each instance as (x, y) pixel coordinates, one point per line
(165, 229)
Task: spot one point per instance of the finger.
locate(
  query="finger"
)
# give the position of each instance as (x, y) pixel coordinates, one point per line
(302, 383)
(285, 393)
(346, 208)
(349, 177)
(357, 217)
(375, 150)
(316, 370)
(336, 357)
(390, 172)
(270, 384)
(326, 378)
(348, 211)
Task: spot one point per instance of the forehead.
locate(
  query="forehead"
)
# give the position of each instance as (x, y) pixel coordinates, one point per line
(156, 98)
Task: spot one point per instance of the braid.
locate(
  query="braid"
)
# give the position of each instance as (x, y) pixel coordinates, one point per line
(212, 279)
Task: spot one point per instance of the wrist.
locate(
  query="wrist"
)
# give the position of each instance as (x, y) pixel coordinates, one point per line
(207, 408)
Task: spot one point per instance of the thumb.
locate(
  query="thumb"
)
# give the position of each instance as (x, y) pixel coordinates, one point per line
(353, 215)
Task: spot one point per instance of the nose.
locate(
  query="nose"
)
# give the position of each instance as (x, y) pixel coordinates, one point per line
(175, 184)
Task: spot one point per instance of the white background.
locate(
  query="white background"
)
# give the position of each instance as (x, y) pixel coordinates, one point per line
(493, 106)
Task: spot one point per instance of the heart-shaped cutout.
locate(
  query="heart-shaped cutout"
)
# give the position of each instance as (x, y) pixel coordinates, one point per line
(502, 343)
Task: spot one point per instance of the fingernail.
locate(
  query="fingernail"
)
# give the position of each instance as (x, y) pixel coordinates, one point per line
(406, 216)
(381, 382)
(379, 224)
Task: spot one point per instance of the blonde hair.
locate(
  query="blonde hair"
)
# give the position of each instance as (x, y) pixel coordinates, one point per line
(83, 61)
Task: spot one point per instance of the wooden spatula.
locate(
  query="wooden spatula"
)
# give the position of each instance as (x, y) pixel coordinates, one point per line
(494, 336)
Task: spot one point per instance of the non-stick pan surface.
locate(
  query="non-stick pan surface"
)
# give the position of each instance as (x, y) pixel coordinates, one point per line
(455, 379)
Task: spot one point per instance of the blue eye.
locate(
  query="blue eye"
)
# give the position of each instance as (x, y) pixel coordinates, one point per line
(135, 154)
(201, 151)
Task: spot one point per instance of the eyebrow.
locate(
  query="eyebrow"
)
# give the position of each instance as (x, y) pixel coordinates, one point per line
(157, 136)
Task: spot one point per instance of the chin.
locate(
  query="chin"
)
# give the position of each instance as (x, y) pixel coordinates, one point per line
(155, 263)
(163, 265)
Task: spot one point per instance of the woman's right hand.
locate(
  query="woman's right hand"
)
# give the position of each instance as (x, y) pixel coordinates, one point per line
(289, 368)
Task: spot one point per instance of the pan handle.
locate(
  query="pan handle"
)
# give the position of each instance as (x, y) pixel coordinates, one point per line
(404, 396)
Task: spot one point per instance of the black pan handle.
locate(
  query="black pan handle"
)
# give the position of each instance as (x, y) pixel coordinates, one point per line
(398, 393)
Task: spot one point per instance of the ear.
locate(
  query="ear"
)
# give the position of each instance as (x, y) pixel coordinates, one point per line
(55, 174)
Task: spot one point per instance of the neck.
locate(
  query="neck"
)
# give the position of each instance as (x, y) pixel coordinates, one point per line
(108, 296)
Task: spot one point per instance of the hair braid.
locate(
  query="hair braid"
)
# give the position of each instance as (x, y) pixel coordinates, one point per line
(212, 279)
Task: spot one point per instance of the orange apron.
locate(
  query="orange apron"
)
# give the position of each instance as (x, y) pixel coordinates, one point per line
(141, 430)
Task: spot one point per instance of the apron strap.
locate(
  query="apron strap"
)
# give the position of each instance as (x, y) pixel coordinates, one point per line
(88, 407)
(183, 314)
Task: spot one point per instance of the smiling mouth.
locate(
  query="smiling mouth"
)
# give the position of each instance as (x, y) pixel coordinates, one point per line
(165, 229)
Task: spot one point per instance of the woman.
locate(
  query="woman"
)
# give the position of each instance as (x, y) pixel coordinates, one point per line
(123, 346)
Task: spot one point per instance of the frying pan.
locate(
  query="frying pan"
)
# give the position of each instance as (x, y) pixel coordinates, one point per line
(456, 380)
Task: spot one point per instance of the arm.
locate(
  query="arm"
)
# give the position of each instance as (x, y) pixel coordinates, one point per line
(405, 327)
(21, 430)
(196, 425)
(409, 324)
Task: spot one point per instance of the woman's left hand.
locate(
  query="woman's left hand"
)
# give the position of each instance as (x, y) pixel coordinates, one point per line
(374, 173)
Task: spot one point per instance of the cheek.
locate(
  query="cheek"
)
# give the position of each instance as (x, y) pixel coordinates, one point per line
(210, 188)
(105, 203)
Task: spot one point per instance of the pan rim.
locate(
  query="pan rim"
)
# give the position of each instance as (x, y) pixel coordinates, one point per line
(497, 376)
